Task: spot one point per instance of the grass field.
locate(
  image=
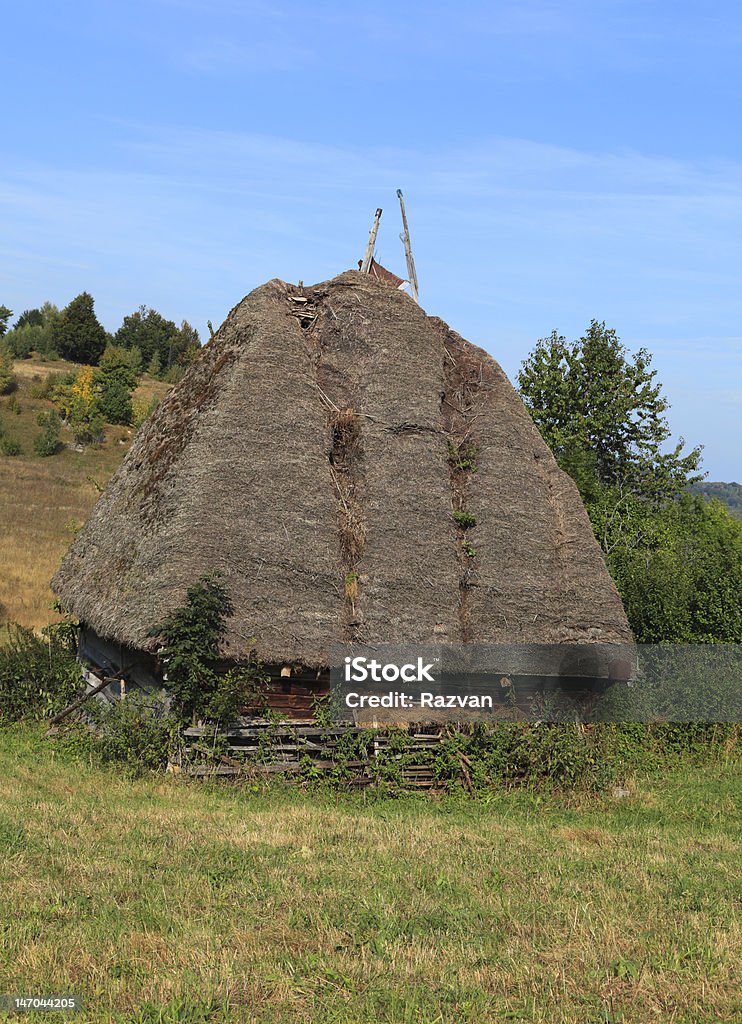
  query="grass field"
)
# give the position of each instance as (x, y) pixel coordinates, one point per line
(43, 500)
(160, 900)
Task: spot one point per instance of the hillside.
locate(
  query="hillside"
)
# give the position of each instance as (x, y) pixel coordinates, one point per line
(730, 494)
(44, 500)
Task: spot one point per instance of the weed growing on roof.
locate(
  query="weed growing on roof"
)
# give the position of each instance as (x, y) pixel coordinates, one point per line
(465, 520)
(463, 457)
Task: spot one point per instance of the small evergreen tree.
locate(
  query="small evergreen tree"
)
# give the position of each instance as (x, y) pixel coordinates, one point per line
(5, 315)
(47, 442)
(77, 335)
(115, 401)
(116, 380)
(7, 377)
(191, 636)
(154, 369)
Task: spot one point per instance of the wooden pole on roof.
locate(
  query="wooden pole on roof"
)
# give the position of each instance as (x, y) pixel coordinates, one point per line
(371, 244)
(405, 236)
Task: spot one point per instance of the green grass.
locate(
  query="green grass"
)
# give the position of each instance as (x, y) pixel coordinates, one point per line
(159, 900)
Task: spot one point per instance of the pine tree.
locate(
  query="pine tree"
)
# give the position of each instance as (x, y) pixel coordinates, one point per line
(7, 377)
(77, 334)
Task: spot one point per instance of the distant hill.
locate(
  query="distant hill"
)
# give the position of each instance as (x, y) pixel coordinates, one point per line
(730, 494)
(44, 500)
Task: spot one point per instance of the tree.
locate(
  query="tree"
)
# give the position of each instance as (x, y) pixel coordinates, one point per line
(161, 343)
(47, 442)
(678, 567)
(116, 379)
(5, 315)
(77, 334)
(602, 414)
(33, 332)
(115, 401)
(30, 318)
(675, 558)
(7, 377)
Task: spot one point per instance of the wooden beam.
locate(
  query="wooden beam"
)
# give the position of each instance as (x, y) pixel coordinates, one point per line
(405, 236)
(371, 244)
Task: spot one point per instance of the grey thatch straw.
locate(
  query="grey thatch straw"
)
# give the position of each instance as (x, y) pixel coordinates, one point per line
(315, 454)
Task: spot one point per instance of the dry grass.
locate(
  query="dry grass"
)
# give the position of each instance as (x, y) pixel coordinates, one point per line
(157, 900)
(43, 500)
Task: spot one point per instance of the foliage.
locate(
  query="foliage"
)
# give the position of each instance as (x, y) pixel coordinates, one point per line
(77, 335)
(33, 332)
(7, 377)
(48, 441)
(190, 636)
(30, 318)
(46, 386)
(161, 344)
(465, 520)
(115, 401)
(676, 560)
(463, 457)
(602, 414)
(728, 493)
(38, 676)
(122, 364)
(137, 731)
(9, 446)
(154, 369)
(678, 568)
(5, 315)
(142, 410)
(78, 398)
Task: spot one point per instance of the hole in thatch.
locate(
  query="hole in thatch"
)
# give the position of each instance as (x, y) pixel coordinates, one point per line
(346, 434)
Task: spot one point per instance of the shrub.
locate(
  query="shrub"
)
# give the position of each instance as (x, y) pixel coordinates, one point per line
(138, 731)
(48, 441)
(45, 387)
(115, 401)
(7, 377)
(190, 637)
(463, 457)
(10, 447)
(38, 677)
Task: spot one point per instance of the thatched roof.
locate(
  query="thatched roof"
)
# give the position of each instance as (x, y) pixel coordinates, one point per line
(308, 456)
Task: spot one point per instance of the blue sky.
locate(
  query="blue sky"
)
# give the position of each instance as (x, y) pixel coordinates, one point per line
(560, 161)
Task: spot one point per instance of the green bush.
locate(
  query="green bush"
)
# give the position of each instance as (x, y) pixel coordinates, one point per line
(38, 676)
(48, 441)
(465, 520)
(463, 457)
(115, 401)
(137, 731)
(44, 387)
(198, 684)
(10, 447)
(7, 377)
